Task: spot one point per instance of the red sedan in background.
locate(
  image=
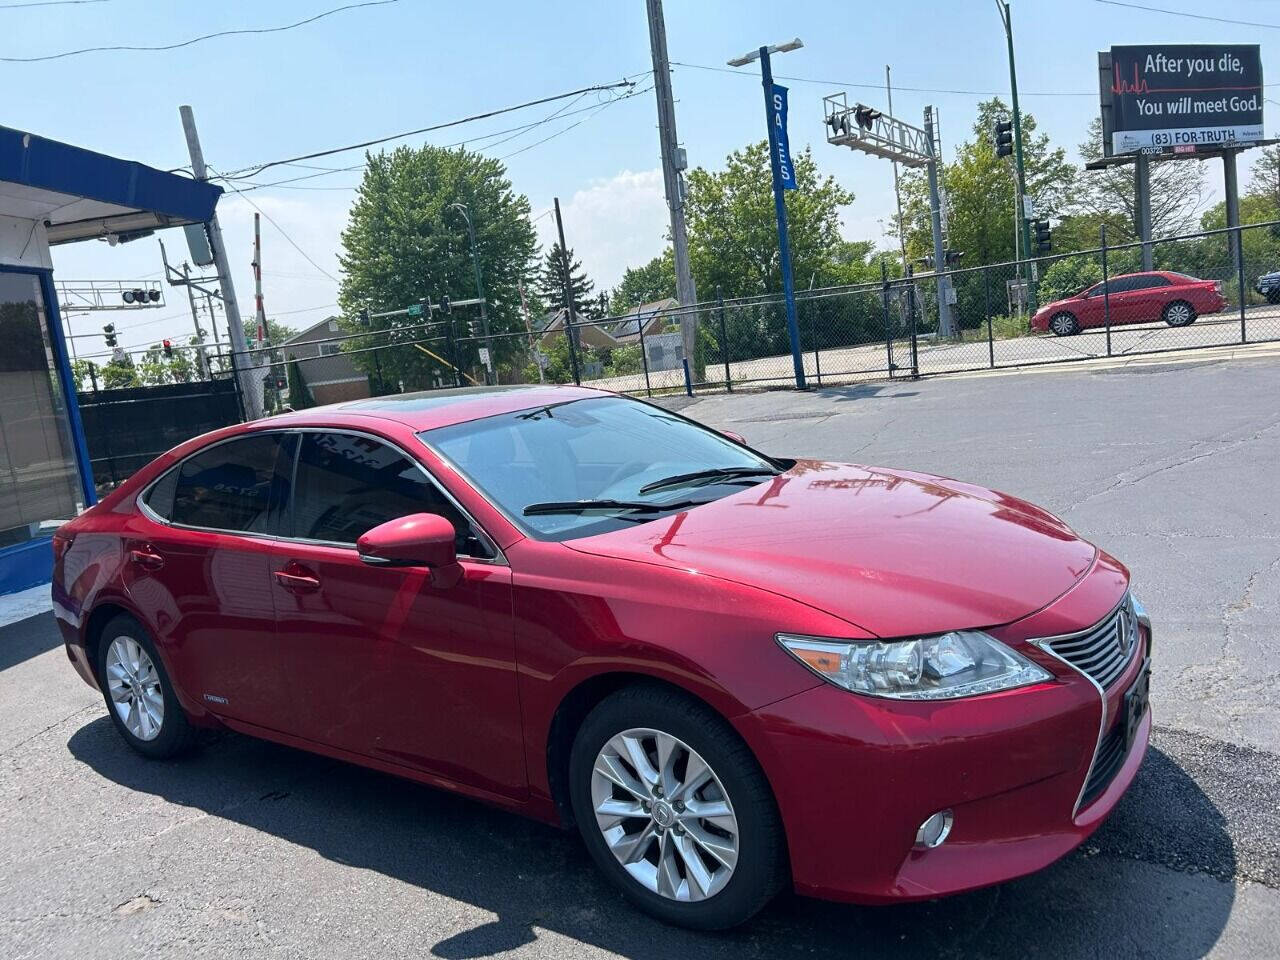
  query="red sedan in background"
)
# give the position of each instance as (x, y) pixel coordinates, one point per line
(732, 672)
(1175, 298)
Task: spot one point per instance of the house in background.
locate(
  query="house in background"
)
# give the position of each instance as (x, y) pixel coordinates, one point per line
(330, 374)
(592, 334)
(653, 318)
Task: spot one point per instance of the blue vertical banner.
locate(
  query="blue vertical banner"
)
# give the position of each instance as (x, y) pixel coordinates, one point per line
(781, 147)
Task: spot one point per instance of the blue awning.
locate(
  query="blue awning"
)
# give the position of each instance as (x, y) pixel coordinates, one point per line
(82, 194)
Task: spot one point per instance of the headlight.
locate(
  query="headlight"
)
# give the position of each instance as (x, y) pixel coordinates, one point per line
(962, 663)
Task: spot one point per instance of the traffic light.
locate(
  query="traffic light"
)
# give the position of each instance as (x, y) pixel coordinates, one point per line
(137, 295)
(167, 347)
(109, 331)
(1042, 237)
(952, 257)
(364, 317)
(445, 307)
(866, 115)
(474, 328)
(1004, 138)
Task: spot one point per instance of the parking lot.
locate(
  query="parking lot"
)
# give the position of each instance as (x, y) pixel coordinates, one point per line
(252, 850)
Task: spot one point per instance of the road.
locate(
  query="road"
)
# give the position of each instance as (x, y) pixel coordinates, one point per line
(247, 849)
(871, 361)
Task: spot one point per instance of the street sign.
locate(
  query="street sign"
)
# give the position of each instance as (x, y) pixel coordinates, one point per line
(414, 310)
(1195, 95)
(484, 357)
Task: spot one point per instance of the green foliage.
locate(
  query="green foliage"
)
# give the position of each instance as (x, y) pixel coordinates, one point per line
(981, 189)
(551, 284)
(154, 368)
(404, 242)
(656, 280)
(623, 360)
(119, 373)
(733, 239)
(299, 394)
(1067, 277)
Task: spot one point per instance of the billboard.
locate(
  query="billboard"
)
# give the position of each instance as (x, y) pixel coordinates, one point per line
(1183, 97)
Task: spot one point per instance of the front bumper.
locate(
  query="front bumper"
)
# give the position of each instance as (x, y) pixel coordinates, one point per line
(854, 778)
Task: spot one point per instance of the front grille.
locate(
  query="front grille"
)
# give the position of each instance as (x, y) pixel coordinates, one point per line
(1104, 650)
(1111, 754)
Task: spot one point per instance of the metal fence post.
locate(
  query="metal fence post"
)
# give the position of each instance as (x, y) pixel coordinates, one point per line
(813, 332)
(915, 344)
(888, 323)
(1106, 294)
(1244, 334)
(724, 340)
(644, 357)
(986, 307)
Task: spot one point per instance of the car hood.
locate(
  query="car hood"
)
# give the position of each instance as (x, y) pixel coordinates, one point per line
(1056, 305)
(892, 552)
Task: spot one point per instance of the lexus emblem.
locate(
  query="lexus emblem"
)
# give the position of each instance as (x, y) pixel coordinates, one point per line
(1124, 631)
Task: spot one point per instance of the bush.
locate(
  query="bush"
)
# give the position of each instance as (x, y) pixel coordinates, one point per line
(1068, 277)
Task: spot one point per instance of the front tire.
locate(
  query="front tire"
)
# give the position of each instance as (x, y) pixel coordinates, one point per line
(138, 692)
(1179, 314)
(674, 809)
(1064, 324)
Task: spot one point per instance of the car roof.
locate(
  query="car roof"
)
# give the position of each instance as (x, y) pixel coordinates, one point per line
(429, 409)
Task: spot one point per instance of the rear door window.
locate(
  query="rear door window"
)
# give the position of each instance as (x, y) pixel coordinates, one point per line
(348, 484)
(231, 486)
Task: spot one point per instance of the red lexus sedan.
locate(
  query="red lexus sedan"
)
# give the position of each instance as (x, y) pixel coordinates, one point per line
(1174, 298)
(731, 672)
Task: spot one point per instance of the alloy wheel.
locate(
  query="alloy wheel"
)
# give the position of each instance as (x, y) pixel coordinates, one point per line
(664, 815)
(1178, 315)
(1062, 324)
(133, 684)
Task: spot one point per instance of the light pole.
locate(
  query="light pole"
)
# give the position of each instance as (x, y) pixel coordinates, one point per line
(484, 313)
(1007, 20)
(775, 119)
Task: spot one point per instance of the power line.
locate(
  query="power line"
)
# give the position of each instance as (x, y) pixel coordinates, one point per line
(1193, 16)
(193, 40)
(255, 169)
(880, 86)
(576, 123)
(48, 3)
(306, 256)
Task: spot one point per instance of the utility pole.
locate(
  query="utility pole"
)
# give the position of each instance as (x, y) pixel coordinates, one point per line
(239, 348)
(1025, 232)
(674, 162)
(260, 315)
(201, 358)
(897, 192)
(570, 319)
(945, 326)
(484, 313)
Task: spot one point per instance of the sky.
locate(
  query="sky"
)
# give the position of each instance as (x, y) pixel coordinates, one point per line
(386, 68)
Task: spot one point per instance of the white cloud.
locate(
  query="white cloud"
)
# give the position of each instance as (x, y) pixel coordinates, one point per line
(615, 223)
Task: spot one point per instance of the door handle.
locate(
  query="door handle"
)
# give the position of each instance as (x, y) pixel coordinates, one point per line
(145, 556)
(300, 580)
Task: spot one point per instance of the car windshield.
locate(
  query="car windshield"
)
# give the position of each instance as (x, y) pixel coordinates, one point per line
(596, 464)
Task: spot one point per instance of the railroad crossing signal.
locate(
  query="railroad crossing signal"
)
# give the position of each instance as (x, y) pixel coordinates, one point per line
(1004, 138)
(1042, 237)
(140, 296)
(866, 116)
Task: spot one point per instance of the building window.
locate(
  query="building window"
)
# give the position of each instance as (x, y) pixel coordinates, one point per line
(330, 349)
(39, 479)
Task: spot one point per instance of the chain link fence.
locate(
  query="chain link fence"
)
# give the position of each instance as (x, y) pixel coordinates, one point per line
(1201, 290)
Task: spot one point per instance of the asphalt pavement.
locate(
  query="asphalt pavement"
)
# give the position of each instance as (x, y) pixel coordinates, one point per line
(249, 849)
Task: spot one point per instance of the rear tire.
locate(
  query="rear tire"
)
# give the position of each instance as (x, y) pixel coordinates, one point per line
(707, 864)
(1064, 324)
(138, 692)
(1179, 314)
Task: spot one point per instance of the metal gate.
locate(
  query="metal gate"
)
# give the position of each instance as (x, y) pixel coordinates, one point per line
(901, 306)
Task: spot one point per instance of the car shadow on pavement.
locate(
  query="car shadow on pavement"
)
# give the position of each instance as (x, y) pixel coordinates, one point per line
(1154, 881)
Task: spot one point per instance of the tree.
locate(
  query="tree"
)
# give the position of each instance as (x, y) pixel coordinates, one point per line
(551, 284)
(733, 239)
(1264, 180)
(981, 190)
(299, 395)
(405, 241)
(119, 373)
(1108, 196)
(656, 280)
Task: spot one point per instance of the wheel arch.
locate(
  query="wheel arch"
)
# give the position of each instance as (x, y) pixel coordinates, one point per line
(94, 626)
(581, 699)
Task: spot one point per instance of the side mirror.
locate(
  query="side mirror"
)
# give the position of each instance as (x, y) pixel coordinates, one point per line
(735, 437)
(418, 540)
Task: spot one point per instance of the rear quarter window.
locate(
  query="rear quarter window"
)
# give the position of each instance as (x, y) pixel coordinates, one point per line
(159, 499)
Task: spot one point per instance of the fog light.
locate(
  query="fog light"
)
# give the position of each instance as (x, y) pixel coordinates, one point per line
(935, 830)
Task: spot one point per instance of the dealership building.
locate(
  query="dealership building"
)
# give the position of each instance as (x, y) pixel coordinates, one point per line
(52, 193)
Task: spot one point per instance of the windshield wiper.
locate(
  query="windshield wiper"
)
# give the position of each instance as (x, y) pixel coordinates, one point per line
(715, 473)
(619, 506)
